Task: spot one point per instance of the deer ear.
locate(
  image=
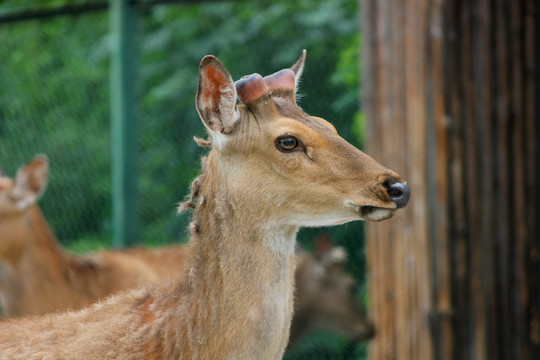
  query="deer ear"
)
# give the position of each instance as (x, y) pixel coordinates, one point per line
(324, 245)
(298, 68)
(31, 181)
(216, 98)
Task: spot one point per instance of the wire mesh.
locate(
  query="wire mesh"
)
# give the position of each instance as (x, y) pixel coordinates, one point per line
(54, 99)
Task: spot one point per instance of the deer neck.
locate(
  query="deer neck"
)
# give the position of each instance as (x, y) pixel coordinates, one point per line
(40, 267)
(42, 245)
(243, 276)
(30, 237)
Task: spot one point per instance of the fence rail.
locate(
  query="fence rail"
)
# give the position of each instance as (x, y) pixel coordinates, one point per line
(450, 92)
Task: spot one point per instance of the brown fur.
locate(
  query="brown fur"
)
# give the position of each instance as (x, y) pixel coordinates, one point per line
(37, 276)
(235, 298)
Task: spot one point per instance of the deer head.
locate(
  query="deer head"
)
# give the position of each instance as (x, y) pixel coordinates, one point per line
(16, 196)
(293, 163)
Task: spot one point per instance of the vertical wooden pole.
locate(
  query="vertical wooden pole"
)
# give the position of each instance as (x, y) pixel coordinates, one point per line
(449, 97)
(123, 124)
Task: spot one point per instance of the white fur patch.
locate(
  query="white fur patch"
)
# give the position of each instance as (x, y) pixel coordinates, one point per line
(376, 214)
(25, 202)
(379, 214)
(298, 76)
(338, 255)
(322, 220)
(281, 241)
(219, 140)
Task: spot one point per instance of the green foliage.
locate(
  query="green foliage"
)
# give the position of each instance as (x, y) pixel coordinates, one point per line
(84, 245)
(54, 100)
(324, 345)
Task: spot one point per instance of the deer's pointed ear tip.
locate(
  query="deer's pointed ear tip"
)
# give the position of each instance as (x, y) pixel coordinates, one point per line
(43, 158)
(208, 58)
(303, 56)
(211, 60)
(213, 70)
(39, 161)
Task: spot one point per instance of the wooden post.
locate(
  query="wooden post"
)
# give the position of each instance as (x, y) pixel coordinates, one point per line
(449, 95)
(123, 124)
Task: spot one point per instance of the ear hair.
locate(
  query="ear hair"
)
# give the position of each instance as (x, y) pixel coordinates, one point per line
(202, 142)
(298, 68)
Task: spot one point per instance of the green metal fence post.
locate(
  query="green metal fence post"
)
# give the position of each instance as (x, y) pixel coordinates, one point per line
(123, 124)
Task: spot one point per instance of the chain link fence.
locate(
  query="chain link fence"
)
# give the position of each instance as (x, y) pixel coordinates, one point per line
(54, 99)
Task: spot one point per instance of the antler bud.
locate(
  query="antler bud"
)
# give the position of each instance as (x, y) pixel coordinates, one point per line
(251, 88)
(253, 91)
(281, 84)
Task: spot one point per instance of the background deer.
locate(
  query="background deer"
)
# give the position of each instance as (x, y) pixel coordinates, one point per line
(37, 276)
(271, 170)
(326, 295)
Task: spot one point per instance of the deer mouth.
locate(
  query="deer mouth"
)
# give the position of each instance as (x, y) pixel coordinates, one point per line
(375, 213)
(372, 212)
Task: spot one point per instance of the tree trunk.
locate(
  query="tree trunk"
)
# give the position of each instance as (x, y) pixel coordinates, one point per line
(449, 91)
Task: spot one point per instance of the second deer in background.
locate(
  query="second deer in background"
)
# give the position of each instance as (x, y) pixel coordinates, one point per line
(326, 295)
(37, 276)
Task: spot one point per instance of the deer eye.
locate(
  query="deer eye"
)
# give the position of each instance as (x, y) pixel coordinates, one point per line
(287, 143)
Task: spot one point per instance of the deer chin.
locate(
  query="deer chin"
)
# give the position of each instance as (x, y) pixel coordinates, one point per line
(372, 212)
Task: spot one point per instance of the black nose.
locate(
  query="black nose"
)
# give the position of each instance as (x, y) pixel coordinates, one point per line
(399, 192)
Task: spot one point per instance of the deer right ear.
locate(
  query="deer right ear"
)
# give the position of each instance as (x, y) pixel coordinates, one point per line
(298, 68)
(323, 246)
(31, 182)
(216, 99)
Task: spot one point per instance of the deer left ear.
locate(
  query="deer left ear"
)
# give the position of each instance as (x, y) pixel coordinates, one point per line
(31, 181)
(216, 98)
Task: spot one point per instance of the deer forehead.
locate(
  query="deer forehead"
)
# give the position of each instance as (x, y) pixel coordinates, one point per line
(325, 123)
(312, 131)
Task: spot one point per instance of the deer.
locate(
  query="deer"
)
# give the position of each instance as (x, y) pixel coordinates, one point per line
(324, 291)
(325, 295)
(37, 276)
(30, 284)
(270, 170)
